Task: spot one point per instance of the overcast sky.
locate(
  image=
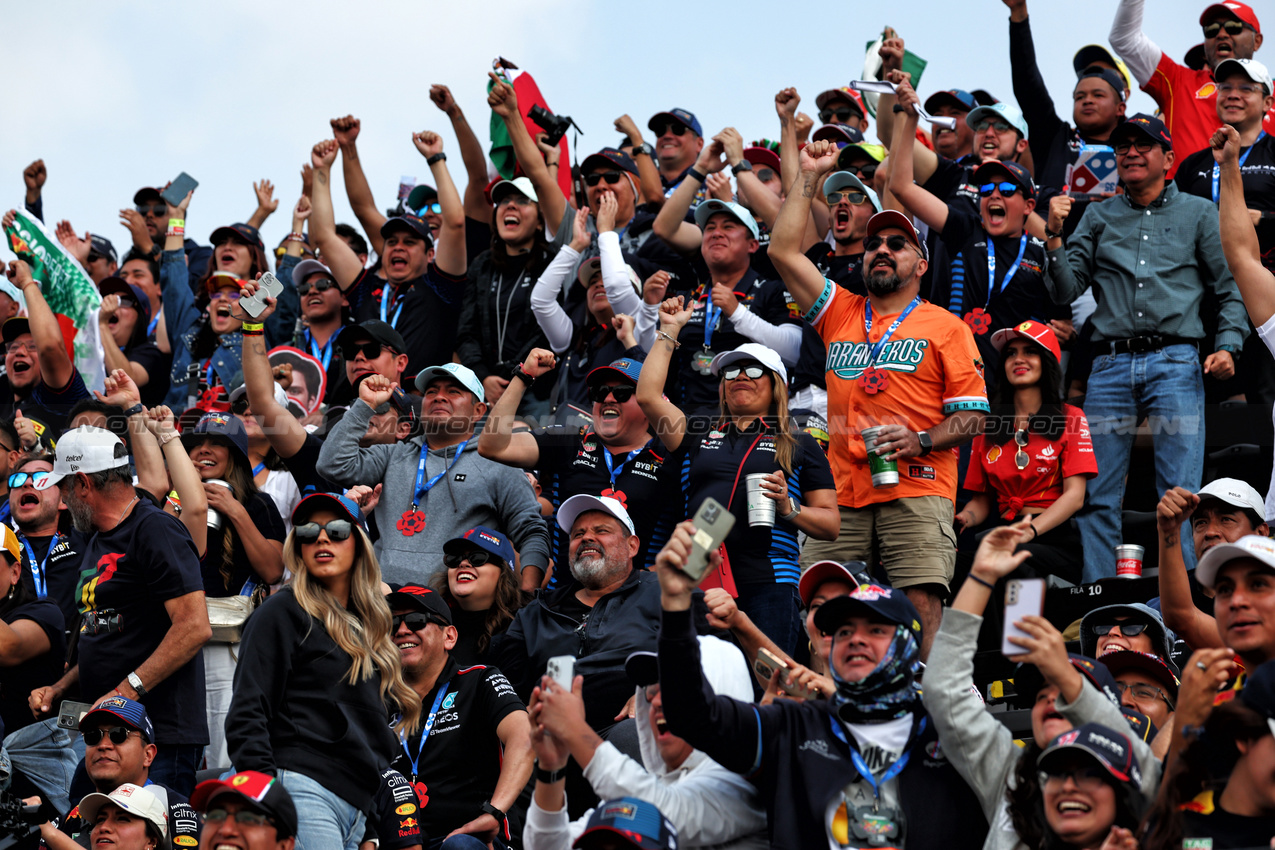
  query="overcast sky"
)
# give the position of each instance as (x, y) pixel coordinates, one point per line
(114, 96)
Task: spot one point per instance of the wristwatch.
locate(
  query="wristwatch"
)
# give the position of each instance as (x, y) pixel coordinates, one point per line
(135, 682)
(489, 809)
(796, 510)
(927, 443)
(644, 148)
(1049, 234)
(438, 157)
(742, 165)
(549, 776)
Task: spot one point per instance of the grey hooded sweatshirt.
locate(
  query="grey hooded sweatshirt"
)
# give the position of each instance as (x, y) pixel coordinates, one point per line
(474, 491)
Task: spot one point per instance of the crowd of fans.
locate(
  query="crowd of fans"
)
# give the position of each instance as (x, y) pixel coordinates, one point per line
(407, 551)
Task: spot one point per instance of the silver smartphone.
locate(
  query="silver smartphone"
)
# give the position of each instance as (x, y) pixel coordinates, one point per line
(268, 285)
(1024, 597)
(562, 669)
(70, 713)
(712, 524)
(766, 665)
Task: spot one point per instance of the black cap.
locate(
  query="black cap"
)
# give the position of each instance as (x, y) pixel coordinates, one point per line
(374, 330)
(411, 223)
(419, 598)
(147, 193)
(887, 603)
(243, 232)
(220, 424)
(1028, 680)
(14, 328)
(1112, 78)
(118, 286)
(643, 668)
(1146, 125)
(102, 245)
(609, 158)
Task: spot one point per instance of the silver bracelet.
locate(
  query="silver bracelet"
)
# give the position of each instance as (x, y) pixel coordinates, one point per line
(663, 335)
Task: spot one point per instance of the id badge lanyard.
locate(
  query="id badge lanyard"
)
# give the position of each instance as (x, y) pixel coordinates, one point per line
(38, 572)
(386, 295)
(875, 351)
(892, 771)
(992, 289)
(324, 354)
(425, 731)
(423, 486)
(1217, 171)
(614, 471)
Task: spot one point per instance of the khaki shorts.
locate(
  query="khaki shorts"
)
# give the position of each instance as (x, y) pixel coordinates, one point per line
(913, 538)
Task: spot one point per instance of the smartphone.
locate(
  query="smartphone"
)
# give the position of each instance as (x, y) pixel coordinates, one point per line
(562, 669)
(269, 285)
(712, 523)
(766, 665)
(71, 713)
(176, 191)
(1023, 597)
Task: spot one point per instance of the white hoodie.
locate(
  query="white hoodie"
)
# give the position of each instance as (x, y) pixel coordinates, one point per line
(710, 805)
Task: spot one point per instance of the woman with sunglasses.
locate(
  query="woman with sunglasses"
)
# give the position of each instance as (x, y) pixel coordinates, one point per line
(753, 434)
(318, 676)
(1034, 456)
(481, 589)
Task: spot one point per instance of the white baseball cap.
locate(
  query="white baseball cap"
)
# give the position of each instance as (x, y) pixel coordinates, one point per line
(522, 185)
(1249, 546)
(86, 449)
(1250, 68)
(462, 375)
(133, 799)
(1235, 492)
(767, 357)
(582, 503)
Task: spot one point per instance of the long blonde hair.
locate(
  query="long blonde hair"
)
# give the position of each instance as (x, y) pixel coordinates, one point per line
(364, 632)
(777, 416)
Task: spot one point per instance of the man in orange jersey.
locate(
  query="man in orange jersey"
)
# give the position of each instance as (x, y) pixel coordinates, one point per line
(897, 362)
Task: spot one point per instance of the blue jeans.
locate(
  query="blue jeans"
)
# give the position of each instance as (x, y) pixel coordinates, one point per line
(175, 766)
(324, 820)
(775, 609)
(47, 755)
(1166, 387)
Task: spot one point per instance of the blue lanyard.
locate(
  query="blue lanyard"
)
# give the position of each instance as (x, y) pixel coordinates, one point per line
(256, 470)
(208, 379)
(892, 771)
(712, 315)
(1217, 170)
(37, 570)
(428, 727)
(150, 329)
(421, 490)
(4, 510)
(867, 327)
(991, 267)
(613, 472)
(324, 354)
(386, 294)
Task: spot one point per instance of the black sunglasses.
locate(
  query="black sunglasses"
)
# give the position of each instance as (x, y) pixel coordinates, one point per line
(894, 243)
(323, 284)
(153, 209)
(611, 177)
(1126, 629)
(1143, 146)
(476, 558)
(243, 817)
(677, 128)
(732, 372)
(863, 172)
(119, 734)
(1232, 28)
(239, 406)
(416, 620)
(620, 392)
(1007, 190)
(94, 256)
(337, 529)
(842, 113)
(1020, 457)
(370, 350)
(999, 126)
(855, 198)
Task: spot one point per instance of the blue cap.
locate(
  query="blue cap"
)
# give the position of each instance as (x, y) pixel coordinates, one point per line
(609, 158)
(1002, 111)
(958, 98)
(220, 424)
(626, 368)
(328, 501)
(1110, 748)
(888, 603)
(1148, 125)
(103, 246)
(122, 708)
(245, 233)
(492, 542)
(839, 133)
(682, 115)
(411, 223)
(636, 822)
(706, 210)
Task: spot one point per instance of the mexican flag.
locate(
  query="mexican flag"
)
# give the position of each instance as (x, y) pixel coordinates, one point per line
(872, 66)
(528, 94)
(68, 290)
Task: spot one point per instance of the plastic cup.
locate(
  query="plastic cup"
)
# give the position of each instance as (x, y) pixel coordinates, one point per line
(761, 510)
(214, 518)
(885, 473)
(1129, 560)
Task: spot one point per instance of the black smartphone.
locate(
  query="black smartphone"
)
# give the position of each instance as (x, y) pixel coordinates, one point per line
(177, 190)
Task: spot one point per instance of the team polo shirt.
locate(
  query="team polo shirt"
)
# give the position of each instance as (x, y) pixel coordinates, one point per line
(572, 462)
(425, 310)
(934, 370)
(1188, 106)
(717, 461)
(994, 471)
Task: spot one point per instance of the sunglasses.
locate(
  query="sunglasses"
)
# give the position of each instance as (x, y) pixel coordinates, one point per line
(337, 529)
(611, 177)
(243, 817)
(863, 172)
(153, 209)
(998, 126)
(1143, 693)
(732, 372)
(677, 128)
(621, 393)
(17, 479)
(894, 243)
(94, 257)
(1144, 146)
(842, 113)
(765, 175)
(1232, 28)
(119, 734)
(1085, 778)
(224, 294)
(476, 558)
(855, 198)
(370, 350)
(435, 208)
(239, 406)
(517, 199)
(1007, 190)
(323, 284)
(1020, 457)
(416, 620)
(1126, 629)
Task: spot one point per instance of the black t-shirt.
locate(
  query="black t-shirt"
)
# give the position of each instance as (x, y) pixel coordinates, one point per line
(183, 821)
(953, 181)
(469, 628)
(497, 327)
(395, 820)
(459, 765)
(1225, 831)
(129, 573)
(572, 462)
(712, 457)
(302, 466)
(157, 364)
(265, 516)
(1195, 177)
(693, 390)
(426, 313)
(47, 408)
(17, 682)
(59, 570)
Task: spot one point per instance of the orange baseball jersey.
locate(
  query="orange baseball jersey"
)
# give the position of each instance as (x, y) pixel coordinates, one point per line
(933, 369)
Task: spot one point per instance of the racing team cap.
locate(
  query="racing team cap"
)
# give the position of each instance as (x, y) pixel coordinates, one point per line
(1234, 492)
(1094, 53)
(335, 502)
(712, 206)
(956, 98)
(1104, 73)
(135, 800)
(1037, 332)
(682, 116)
(122, 708)
(245, 233)
(1253, 546)
(821, 572)
(1233, 9)
(839, 133)
(522, 185)
(1250, 68)
(888, 603)
(1144, 662)
(627, 369)
(893, 218)
(412, 224)
(609, 158)
(261, 791)
(462, 375)
(423, 599)
(1028, 680)
(839, 180)
(844, 93)
(491, 542)
(761, 156)
(1109, 748)
(767, 357)
(103, 246)
(86, 449)
(582, 503)
(1007, 168)
(1002, 111)
(636, 823)
(1148, 125)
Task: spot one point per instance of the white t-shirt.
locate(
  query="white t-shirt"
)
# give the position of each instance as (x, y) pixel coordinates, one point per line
(1267, 333)
(282, 488)
(881, 745)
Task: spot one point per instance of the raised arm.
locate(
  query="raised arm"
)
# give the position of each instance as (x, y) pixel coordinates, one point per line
(498, 440)
(665, 417)
(671, 224)
(615, 276)
(185, 479)
(799, 274)
(340, 258)
(649, 184)
(267, 203)
(503, 102)
(282, 429)
(556, 277)
(1131, 44)
(919, 201)
(471, 153)
(449, 248)
(121, 391)
(112, 354)
(786, 103)
(56, 367)
(1239, 238)
(1197, 628)
(346, 132)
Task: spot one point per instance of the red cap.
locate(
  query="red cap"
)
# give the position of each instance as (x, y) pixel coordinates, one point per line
(1040, 334)
(1242, 11)
(820, 572)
